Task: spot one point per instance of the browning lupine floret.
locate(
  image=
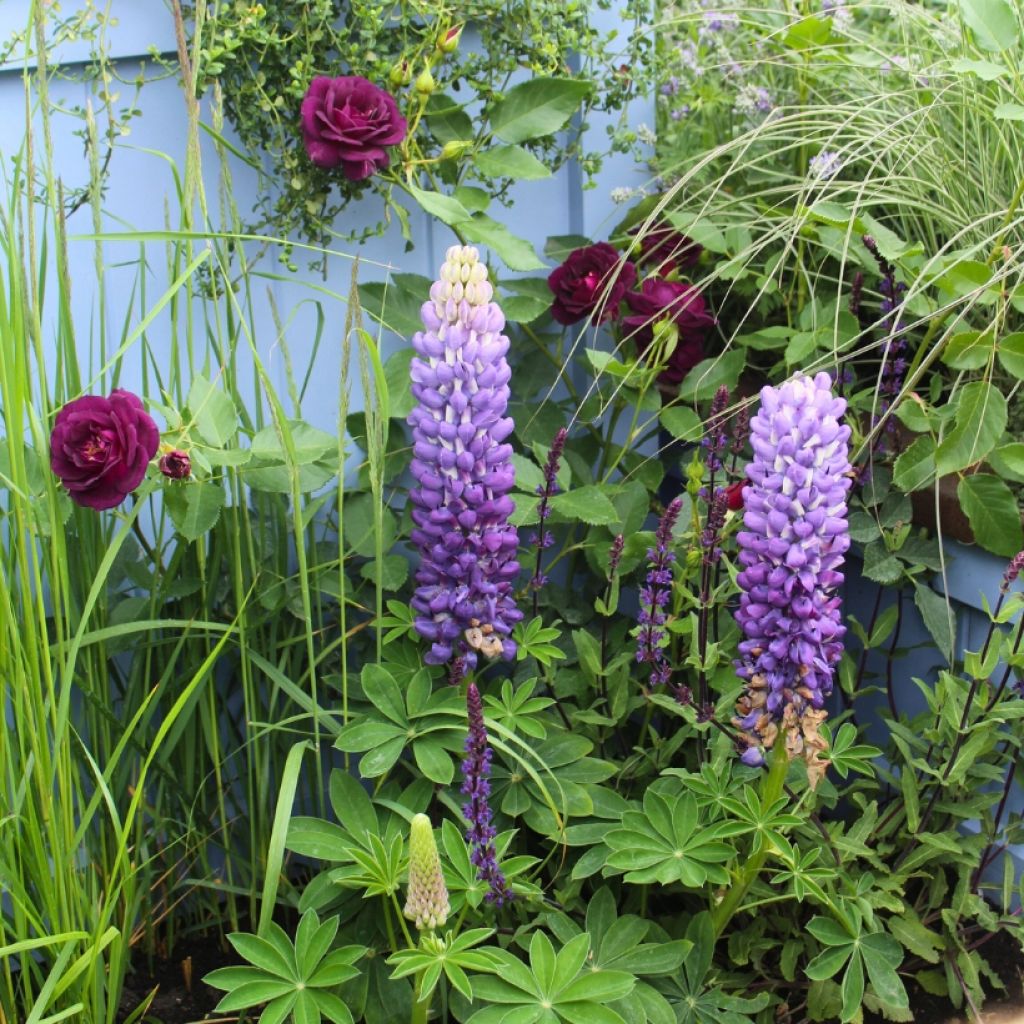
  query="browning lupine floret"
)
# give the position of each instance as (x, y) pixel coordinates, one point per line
(791, 551)
(463, 469)
(427, 901)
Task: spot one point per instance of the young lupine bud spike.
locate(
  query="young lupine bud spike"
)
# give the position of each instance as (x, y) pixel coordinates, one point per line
(427, 901)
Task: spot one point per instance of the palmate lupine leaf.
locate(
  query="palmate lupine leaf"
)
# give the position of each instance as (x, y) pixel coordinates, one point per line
(290, 979)
(665, 843)
(555, 988)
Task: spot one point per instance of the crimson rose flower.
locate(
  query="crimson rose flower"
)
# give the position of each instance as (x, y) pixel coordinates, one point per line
(681, 303)
(348, 122)
(734, 495)
(592, 280)
(100, 447)
(665, 249)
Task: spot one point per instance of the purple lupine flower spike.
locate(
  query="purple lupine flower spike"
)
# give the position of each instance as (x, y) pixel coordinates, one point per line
(463, 469)
(791, 551)
(476, 770)
(654, 597)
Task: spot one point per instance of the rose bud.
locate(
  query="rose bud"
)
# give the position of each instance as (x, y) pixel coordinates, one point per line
(449, 42)
(176, 465)
(734, 495)
(401, 74)
(425, 84)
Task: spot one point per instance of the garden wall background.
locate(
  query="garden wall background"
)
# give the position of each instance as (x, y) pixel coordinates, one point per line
(140, 190)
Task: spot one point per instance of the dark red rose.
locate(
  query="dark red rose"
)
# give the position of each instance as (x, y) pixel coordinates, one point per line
(176, 465)
(734, 495)
(347, 122)
(664, 249)
(679, 302)
(100, 447)
(593, 280)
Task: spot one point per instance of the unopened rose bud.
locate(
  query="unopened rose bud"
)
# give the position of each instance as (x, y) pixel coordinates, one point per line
(176, 465)
(425, 84)
(401, 74)
(449, 42)
(455, 148)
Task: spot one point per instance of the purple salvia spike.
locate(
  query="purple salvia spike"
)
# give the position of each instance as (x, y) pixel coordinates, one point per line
(654, 597)
(791, 551)
(476, 770)
(463, 469)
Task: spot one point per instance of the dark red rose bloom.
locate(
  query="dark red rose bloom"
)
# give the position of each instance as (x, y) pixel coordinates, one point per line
(176, 465)
(347, 122)
(734, 495)
(100, 447)
(659, 299)
(664, 249)
(593, 280)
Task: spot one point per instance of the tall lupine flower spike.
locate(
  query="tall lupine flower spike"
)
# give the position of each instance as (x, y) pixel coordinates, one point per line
(476, 770)
(790, 555)
(426, 903)
(654, 597)
(462, 467)
(543, 539)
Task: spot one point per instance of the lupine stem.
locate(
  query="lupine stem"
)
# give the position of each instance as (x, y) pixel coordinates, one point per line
(771, 789)
(420, 1007)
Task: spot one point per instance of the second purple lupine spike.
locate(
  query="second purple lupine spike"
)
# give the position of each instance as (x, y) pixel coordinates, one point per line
(791, 551)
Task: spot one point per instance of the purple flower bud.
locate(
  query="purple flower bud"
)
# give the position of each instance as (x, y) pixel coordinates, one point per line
(791, 551)
(1013, 570)
(463, 469)
(476, 770)
(654, 597)
(615, 555)
(176, 465)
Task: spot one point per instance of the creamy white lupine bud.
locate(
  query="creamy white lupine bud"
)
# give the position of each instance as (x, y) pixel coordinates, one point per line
(427, 901)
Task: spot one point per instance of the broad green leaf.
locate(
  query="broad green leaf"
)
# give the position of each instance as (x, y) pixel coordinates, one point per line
(993, 23)
(383, 692)
(980, 420)
(524, 309)
(1009, 112)
(938, 618)
(510, 162)
(968, 350)
(447, 119)
(537, 107)
(915, 467)
(587, 504)
(213, 410)
(309, 444)
(194, 508)
(515, 252)
(1011, 355)
(984, 69)
(263, 954)
(682, 422)
(434, 761)
(993, 513)
(445, 208)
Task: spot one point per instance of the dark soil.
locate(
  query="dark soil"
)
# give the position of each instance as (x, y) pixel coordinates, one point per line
(178, 993)
(1004, 1006)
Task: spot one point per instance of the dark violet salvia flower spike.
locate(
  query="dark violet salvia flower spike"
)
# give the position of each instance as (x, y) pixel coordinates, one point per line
(476, 770)
(543, 539)
(1013, 570)
(716, 440)
(463, 470)
(791, 551)
(654, 597)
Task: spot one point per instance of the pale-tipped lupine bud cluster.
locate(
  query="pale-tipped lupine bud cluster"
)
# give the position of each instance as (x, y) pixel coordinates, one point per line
(791, 551)
(427, 901)
(462, 466)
